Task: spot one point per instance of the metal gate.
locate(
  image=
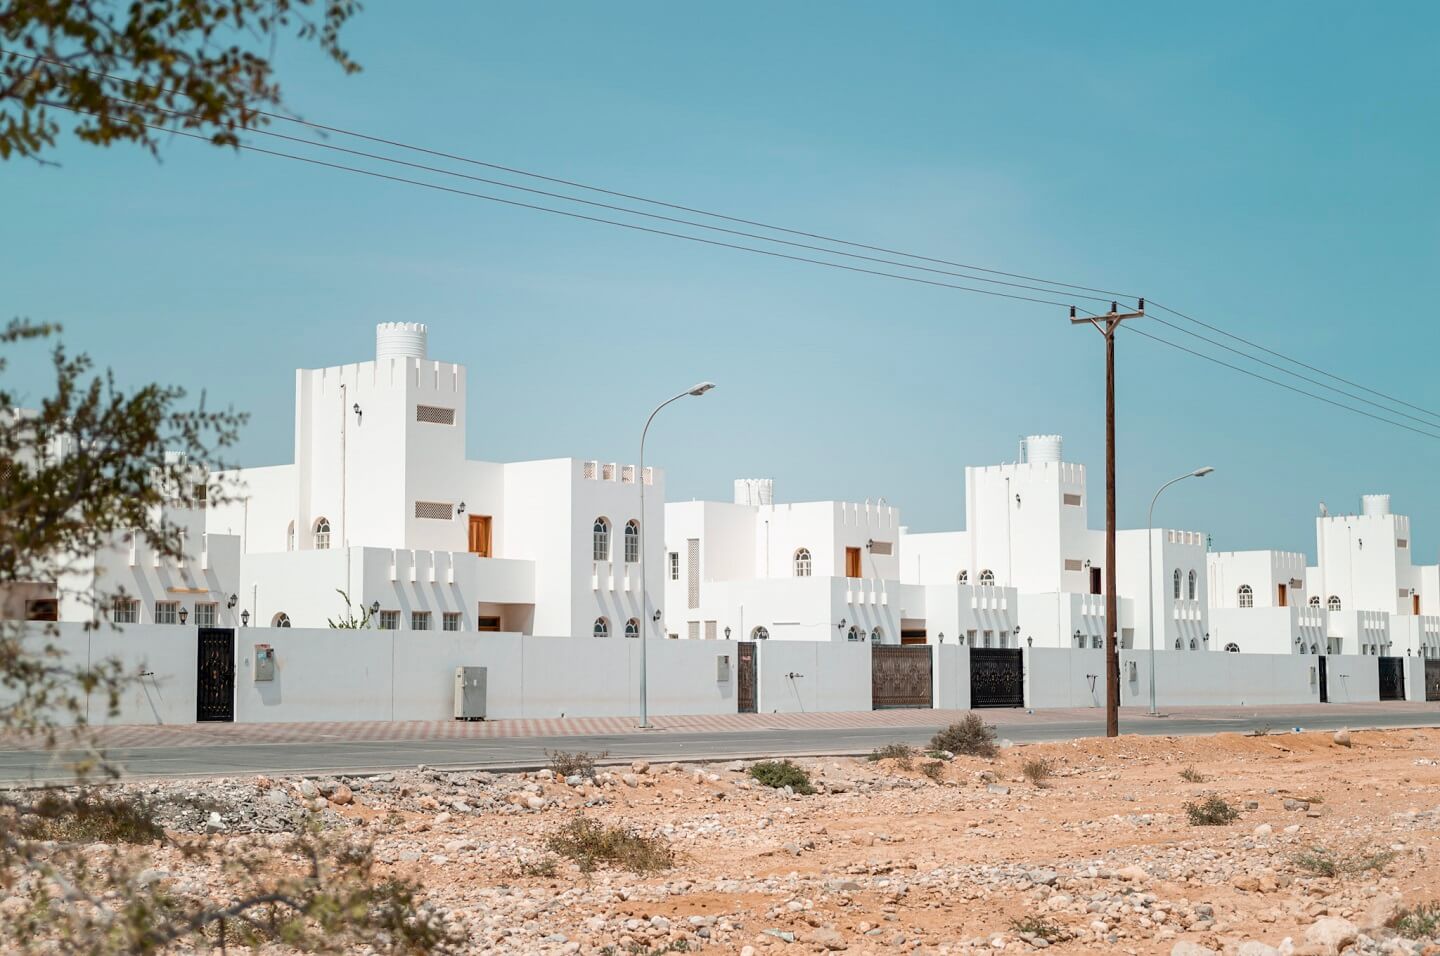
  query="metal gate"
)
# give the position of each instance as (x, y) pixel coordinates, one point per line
(900, 676)
(746, 678)
(1324, 684)
(1432, 679)
(997, 677)
(215, 679)
(1392, 678)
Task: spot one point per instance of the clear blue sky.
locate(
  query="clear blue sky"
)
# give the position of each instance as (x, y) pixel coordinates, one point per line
(1268, 167)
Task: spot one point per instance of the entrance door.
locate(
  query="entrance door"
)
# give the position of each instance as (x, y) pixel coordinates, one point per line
(900, 676)
(1392, 678)
(852, 563)
(215, 679)
(997, 677)
(1324, 686)
(1415, 604)
(1432, 678)
(745, 700)
(480, 535)
(913, 635)
(1282, 598)
(1095, 581)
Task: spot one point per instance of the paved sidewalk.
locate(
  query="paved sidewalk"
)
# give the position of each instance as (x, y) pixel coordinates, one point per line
(225, 734)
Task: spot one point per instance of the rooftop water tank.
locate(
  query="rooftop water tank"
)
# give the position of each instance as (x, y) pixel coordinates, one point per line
(1043, 448)
(754, 491)
(1375, 505)
(400, 340)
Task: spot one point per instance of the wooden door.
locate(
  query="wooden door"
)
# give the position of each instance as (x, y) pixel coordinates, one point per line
(480, 535)
(1095, 581)
(852, 563)
(1415, 604)
(1282, 597)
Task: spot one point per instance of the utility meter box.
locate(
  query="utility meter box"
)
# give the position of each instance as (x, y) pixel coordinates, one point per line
(469, 693)
(722, 667)
(264, 662)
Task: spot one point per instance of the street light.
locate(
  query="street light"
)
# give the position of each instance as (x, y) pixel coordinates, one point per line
(696, 390)
(1150, 568)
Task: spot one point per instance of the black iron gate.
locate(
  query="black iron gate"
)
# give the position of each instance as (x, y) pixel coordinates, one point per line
(1432, 679)
(215, 679)
(746, 678)
(1324, 684)
(900, 676)
(1392, 678)
(997, 677)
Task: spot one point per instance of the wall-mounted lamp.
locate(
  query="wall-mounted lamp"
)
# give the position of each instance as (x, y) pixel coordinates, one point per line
(460, 508)
(184, 614)
(1362, 543)
(1077, 636)
(358, 414)
(375, 607)
(727, 632)
(1030, 641)
(230, 604)
(245, 618)
(1017, 501)
(655, 616)
(1087, 562)
(841, 625)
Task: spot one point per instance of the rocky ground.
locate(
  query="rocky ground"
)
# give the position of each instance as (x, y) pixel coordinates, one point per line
(1333, 843)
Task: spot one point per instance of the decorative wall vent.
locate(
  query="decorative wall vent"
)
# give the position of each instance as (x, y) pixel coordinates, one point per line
(434, 414)
(439, 510)
(1072, 499)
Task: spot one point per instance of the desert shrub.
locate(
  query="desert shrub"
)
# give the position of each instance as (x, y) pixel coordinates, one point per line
(902, 754)
(541, 866)
(578, 764)
(1038, 927)
(1421, 921)
(934, 769)
(782, 773)
(1316, 799)
(1323, 861)
(592, 844)
(90, 819)
(1191, 775)
(1213, 811)
(971, 736)
(1037, 770)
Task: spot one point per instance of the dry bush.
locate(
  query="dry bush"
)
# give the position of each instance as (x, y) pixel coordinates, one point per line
(782, 773)
(577, 764)
(902, 754)
(1213, 811)
(1421, 921)
(1038, 771)
(934, 769)
(545, 866)
(1039, 927)
(1191, 775)
(88, 818)
(592, 845)
(1323, 861)
(970, 736)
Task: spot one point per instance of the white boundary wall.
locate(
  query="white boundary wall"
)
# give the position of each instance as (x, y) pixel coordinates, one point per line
(1065, 677)
(1218, 679)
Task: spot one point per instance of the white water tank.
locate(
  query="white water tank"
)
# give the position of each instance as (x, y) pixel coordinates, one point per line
(1375, 505)
(400, 340)
(754, 491)
(1043, 448)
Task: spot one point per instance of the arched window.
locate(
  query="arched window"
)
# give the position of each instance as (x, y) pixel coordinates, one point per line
(1334, 602)
(1314, 600)
(855, 633)
(600, 543)
(963, 577)
(1314, 649)
(602, 627)
(632, 627)
(1179, 646)
(1177, 584)
(1193, 645)
(1191, 593)
(322, 534)
(987, 578)
(1247, 596)
(1232, 648)
(280, 620)
(877, 636)
(802, 563)
(759, 634)
(290, 537)
(632, 541)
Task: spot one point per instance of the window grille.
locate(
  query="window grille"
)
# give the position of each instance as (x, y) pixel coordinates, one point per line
(987, 580)
(419, 620)
(389, 620)
(1334, 603)
(434, 414)
(166, 612)
(1246, 596)
(632, 541)
(451, 621)
(322, 534)
(674, 565)
(437, 510)
(602, 627)
(692, 630)
(600, 543)
(709, 630)
(632, 627)
(125, 611)
(205, 615)
(692, 557)
(803, 563)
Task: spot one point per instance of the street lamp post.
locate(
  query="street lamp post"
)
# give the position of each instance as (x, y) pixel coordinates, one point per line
(1150, 568)
(645, 622)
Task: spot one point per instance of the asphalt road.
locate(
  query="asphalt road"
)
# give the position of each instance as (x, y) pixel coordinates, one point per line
(341, 756)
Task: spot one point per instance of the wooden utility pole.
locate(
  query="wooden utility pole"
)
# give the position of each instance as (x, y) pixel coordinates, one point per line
(1107, 324)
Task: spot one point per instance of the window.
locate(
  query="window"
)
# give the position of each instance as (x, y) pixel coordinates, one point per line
(1179, 646)
(674, 565)
(1314, 649)
(281, 619)
(987, 580)
(692, 630)
(963, 577)
(322, 534)
(487, 624)
(1193, 644)
(1334, 602)
(632, 627)
(1247, 596)
(389, 620)
(1072, 500)
(632, 541)
(710, 626)
(855, 633)
(1314, 600)
(970, 638)
(205, 615)
(167, 612)
(759, 634)
(1096, 643)
(802, 563)
(1191, 592)
(1177, 584)
(602, 626)
(877, 636)
(987, 637)
(419, 620)
(600, 546)
(450, 621)
(125, 611)
(435, 414)
(290, 537)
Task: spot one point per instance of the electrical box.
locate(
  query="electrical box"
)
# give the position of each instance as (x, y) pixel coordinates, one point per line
(264, 662)
(722, 668)
(1132, 672)
(469, 693)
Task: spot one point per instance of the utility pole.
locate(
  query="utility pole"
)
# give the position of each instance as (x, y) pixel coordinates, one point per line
(1107, 325)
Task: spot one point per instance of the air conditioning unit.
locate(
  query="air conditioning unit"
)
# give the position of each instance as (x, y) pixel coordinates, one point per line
(469, 693)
